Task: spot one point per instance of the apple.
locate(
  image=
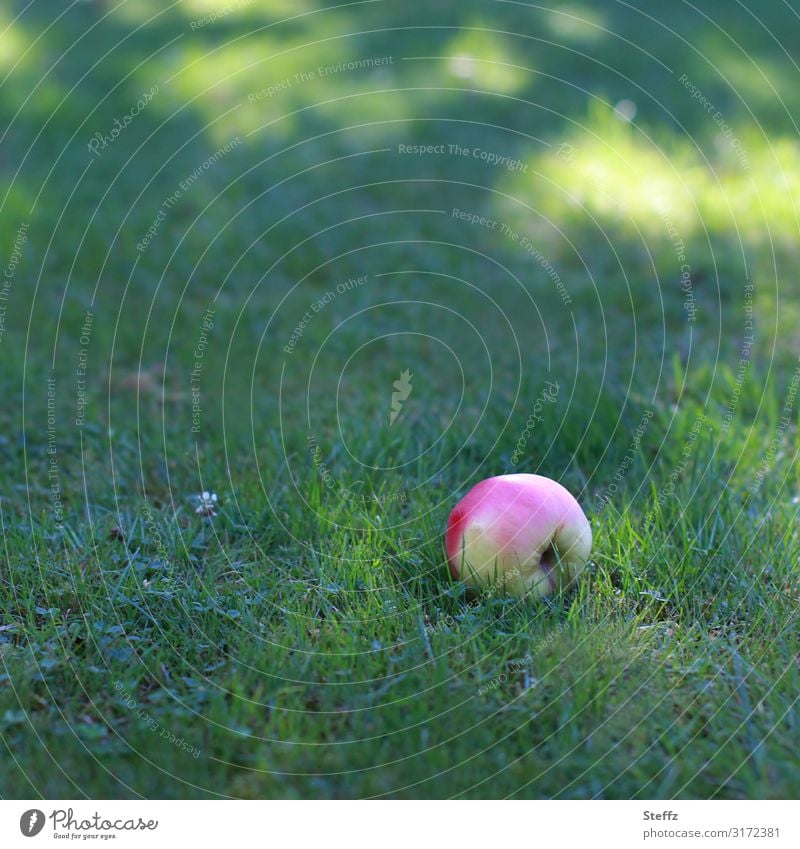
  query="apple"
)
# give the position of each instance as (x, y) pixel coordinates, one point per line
(522, 533)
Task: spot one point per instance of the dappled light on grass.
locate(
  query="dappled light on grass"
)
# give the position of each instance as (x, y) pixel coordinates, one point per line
(480, 58)
(200, 14)
(643, 179)
(577, 23)
(250, 10)
(13, 42)
(267, 81)
(228, 79)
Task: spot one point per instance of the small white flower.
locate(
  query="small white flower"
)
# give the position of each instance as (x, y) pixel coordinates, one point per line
(206, 504)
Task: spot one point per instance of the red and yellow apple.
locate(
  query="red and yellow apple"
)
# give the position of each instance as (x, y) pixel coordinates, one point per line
(518, 533)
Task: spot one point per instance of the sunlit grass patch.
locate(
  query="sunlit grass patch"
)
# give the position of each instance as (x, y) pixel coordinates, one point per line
(267, 81)
(580, 23)
(487, 60)
(643, 180)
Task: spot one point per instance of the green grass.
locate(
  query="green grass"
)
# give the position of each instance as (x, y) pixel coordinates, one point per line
(308, 641)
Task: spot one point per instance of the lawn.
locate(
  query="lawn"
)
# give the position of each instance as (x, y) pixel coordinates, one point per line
(567, 232)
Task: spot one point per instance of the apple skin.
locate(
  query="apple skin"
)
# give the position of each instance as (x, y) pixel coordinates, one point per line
(521, 533)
